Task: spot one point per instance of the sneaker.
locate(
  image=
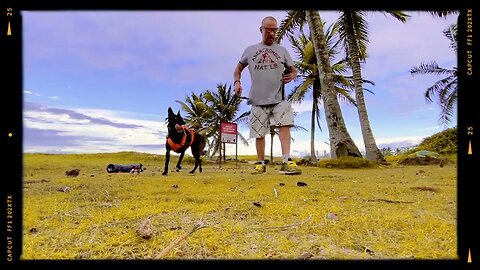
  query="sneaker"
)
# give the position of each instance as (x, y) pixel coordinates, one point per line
(290, 168)
(259, 168)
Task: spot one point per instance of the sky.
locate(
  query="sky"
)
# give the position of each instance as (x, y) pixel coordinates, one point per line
(102, 81)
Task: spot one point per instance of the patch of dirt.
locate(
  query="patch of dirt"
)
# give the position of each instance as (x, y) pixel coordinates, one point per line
(425, 188)
(74, 172)
(425, 161)
(35, 181)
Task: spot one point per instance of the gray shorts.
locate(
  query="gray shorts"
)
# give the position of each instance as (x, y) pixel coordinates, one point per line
(262, 117)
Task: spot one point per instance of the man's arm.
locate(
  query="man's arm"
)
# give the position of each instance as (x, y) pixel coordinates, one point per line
(237, 75)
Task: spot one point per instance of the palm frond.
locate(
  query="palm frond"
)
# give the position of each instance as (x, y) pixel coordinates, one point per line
(299, 91)
(294, 19)
(399, 15)
(430, 68)
(443, 13)
(451, 34)
(440, 87)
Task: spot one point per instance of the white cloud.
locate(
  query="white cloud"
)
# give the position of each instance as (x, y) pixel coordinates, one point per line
(305, 106)
(31, 93)
(98, 137)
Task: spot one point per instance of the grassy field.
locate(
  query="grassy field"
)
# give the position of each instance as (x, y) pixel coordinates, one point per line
(382, 212)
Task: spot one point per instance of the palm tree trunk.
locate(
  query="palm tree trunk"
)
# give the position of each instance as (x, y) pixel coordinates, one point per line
(371, 150)
(272, 134)
(313, 158)
(341, 144)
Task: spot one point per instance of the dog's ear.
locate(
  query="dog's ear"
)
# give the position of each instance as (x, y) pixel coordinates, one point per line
(178, 114)
(170, 111)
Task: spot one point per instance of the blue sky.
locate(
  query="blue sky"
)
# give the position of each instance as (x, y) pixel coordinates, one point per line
(101, 81)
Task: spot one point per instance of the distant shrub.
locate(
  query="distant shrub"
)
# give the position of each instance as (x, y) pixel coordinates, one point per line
(305, 161)
(346, 162)
(444, 143)
(396, 158)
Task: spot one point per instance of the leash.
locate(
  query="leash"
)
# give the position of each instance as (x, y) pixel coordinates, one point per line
(235, 98)
(286, 71)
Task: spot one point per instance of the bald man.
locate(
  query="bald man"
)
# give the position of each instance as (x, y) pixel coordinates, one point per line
(271, 67)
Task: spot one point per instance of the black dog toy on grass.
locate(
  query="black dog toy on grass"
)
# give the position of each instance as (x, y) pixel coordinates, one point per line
(132, 168)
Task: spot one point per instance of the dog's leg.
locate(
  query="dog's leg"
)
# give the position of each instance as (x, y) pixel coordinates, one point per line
(198, 162)
(196, 156)
(179, 163)
(196, 165)
(201, 152)
(167, 160)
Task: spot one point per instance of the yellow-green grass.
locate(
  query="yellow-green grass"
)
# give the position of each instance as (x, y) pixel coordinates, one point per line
(383, 212)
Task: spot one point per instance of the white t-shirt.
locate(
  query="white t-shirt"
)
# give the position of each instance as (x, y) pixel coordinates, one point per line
(266, 64)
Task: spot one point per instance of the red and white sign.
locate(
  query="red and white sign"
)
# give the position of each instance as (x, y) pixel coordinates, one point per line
(229, 132)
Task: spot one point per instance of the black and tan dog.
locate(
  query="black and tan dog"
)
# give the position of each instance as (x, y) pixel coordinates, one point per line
(179, 139)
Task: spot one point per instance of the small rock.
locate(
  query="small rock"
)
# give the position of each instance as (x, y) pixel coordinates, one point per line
(257, 204)
(305, 256)
(64, 189)
(145, 230)
(301, 184)
(84, 256)
(332, 216)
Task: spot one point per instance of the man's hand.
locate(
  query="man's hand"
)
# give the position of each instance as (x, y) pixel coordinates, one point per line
(286, 78)
(238, 89)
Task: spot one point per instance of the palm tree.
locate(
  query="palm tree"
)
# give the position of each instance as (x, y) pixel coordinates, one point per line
(447, 88)
(224, 106)
(341, 142)
(308, 71)
(197, 114)
(354, 34)
(207, 110)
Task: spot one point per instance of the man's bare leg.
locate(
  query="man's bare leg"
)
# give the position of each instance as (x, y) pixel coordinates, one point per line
(284, 136)
(260, 145)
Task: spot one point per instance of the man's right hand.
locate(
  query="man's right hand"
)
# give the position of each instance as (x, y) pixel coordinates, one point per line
(238, 89)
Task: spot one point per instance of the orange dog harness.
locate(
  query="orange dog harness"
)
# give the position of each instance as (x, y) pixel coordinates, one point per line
(177, 146)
